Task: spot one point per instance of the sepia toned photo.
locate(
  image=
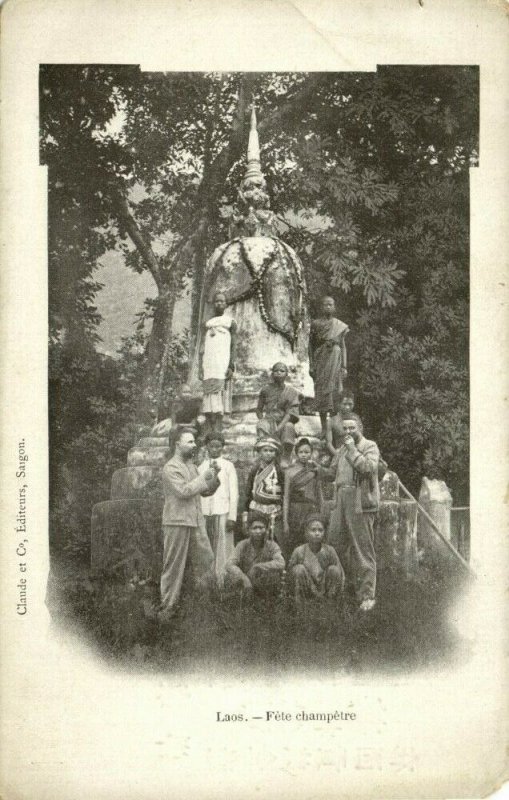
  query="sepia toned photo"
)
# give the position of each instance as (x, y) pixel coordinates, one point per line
(254, 344)
(258, 364)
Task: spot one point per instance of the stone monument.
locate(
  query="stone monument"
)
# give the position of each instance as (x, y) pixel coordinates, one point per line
(262, 279)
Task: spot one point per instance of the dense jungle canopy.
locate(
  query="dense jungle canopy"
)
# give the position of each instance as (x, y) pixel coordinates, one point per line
(369, 176)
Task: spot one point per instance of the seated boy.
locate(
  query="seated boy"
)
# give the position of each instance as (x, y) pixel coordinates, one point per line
(278, 412)
(257, 563)
(314, 567)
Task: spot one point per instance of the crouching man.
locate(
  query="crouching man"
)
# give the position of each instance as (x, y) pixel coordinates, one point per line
(256, 564)
(314, 567)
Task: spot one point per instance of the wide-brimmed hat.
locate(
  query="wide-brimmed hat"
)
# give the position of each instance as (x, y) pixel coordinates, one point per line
(267, 442)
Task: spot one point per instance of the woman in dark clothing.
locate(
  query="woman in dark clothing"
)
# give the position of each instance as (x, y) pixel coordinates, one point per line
(302, 496)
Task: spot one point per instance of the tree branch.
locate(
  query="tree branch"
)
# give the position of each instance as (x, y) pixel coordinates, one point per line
(225, 159)
(222, 163)
(299, 98)
(137, 236)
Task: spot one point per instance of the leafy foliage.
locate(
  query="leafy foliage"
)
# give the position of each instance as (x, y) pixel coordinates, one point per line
(368, 174)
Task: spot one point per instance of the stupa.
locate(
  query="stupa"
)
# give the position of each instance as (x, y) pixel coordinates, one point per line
(262, 279)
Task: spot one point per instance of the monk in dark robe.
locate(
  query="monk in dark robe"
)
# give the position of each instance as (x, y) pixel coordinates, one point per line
(327, 360)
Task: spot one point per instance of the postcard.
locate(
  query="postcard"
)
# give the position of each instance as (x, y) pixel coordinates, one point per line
(254, 335)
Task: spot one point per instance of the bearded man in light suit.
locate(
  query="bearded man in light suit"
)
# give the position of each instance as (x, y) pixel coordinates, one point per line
(184, 531)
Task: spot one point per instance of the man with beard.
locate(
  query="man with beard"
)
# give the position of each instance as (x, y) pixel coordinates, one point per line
(184, 531)
(354, 471)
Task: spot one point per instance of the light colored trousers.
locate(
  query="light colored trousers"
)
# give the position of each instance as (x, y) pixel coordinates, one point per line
(352, 535)
(179, 541)
(221, 542)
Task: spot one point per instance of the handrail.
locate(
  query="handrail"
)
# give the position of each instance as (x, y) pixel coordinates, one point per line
(437, 530)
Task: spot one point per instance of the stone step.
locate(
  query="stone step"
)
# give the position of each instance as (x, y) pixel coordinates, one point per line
(127, 538)
(148, 456)
(134, 482)
(162, 428)
(241, 418)
(309, 426)
(238, 432)
(153, 441)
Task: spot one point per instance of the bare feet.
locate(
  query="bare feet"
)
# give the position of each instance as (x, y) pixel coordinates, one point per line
(367, 604)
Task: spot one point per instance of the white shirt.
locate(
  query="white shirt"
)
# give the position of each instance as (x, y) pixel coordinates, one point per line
(226, 498)
(217, 347)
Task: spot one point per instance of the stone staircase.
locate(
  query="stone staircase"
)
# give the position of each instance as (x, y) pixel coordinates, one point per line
(126, 529)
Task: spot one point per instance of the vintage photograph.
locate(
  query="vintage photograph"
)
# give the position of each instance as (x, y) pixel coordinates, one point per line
(258, 369)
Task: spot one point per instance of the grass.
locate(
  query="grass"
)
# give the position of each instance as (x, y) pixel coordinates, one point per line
(408, 629)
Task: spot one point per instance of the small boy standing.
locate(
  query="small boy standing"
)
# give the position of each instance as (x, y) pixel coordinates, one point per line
(335, 429)
(220, 508)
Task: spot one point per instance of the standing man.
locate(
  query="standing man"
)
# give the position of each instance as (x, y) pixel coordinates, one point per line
(183, 524)
(327, 360)
(357, 498)
(220, 508)
(278, 412)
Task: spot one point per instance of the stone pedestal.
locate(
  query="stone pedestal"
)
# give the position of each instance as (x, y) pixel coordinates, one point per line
(126, 529)
(435, 498)
(396, 534)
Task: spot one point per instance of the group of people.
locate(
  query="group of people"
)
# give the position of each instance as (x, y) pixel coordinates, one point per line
(327, 367)
(285, 518)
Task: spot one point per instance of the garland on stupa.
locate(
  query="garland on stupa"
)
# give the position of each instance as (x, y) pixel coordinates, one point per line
(255, 201)
(257, 288)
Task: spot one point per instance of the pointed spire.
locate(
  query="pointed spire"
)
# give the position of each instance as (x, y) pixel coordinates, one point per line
(253, 147)
(253, 169)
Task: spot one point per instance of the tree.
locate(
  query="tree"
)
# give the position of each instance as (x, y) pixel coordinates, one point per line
(151, 162)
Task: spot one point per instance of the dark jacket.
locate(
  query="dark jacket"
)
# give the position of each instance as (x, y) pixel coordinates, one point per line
(250, 481)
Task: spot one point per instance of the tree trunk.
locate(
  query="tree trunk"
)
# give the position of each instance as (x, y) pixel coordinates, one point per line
(148, 400)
